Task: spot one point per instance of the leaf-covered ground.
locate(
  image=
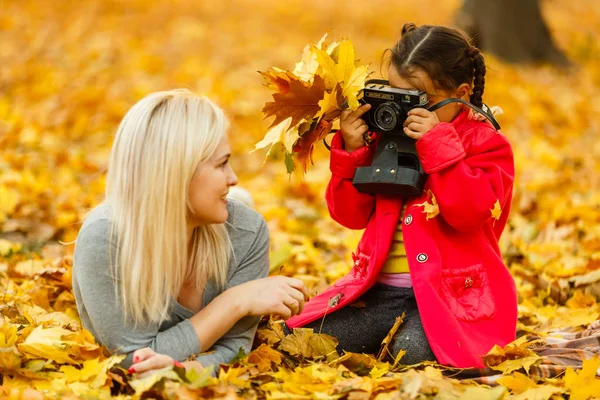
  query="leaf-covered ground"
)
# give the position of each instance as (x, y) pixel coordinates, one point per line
(70, 70)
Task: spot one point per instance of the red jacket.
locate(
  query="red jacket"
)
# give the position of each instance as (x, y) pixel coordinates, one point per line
(466, 296)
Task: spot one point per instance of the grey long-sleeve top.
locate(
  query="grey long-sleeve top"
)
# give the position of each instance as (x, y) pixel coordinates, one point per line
(101, 311)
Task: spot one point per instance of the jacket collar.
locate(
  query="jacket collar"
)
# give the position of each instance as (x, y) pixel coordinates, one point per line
(462, 118)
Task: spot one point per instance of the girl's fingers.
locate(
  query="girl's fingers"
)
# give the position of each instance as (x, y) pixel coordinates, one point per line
(142, 354)
(412, 134)
(414, 126)
(362, 129)
(358, 123)
(158, 361)
(421, 112)
(414, 118)
(356, 114)
(344, 115)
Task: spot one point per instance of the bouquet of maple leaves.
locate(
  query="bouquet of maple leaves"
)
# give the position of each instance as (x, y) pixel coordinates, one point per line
(307, 100)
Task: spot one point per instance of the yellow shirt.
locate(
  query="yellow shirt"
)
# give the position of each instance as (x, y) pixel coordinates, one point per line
(396, 262)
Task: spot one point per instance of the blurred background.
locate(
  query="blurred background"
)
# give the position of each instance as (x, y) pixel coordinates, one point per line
(69, 71)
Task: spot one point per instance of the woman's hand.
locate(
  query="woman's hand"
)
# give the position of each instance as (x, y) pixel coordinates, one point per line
(146, 361)
(419, 122)
(353, 127)
(274, 295)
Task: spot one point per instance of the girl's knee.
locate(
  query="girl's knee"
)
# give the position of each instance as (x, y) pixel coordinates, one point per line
(415, 344)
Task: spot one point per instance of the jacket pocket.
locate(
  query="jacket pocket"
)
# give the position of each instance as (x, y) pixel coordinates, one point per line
(467, 293)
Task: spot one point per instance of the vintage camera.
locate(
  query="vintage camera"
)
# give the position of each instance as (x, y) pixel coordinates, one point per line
(396, 168)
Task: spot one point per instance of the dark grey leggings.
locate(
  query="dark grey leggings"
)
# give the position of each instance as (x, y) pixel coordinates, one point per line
(361, 330)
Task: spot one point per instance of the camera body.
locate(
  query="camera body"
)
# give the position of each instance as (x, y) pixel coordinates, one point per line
(389, 106)
(396, 168)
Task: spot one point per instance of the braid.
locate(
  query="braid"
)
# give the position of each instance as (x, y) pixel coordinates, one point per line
(479, 81)
(408, 27)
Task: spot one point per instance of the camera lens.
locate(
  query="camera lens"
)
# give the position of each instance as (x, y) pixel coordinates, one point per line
(386, 116)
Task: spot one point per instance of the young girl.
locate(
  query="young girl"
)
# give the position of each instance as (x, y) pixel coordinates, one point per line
(167, 268)
(436, 257)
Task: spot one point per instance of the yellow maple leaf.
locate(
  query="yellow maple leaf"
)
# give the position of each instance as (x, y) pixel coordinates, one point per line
(324, 345)
(274, 135)
(48, 343)
(354, 85)
(10, 359)
(273, 334)
(330, 103)
(544, 392)
(307, 67)
(345, 65)
(513, 356)
(91, 368)
(518, 383)
(8, 335)
(327, 68)
(338, 66)
(496, 211)
(431, 209)
(304, 342)
(264, 356)
(585, 384)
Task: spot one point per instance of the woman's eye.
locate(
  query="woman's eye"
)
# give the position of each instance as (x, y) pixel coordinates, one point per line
(224, 164)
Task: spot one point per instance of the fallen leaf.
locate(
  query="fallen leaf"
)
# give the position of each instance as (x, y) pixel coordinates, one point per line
(273, 334)
(517, 383)
(431, 209)
(496, 211)
(264, 357)
(383, 351)
(584, 384)
(48, 343)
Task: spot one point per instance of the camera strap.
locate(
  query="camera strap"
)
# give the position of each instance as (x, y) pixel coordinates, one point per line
(487, 114)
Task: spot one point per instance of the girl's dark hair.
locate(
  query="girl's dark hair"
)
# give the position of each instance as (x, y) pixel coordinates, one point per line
(446, 54)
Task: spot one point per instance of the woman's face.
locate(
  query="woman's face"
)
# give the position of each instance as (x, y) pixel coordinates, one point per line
(209, 187)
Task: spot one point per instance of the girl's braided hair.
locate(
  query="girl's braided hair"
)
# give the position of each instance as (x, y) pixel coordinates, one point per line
(446, 54)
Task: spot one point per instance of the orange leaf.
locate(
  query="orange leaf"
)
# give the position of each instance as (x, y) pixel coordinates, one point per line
(264, 357)
(298, 103)
(431, 209)
(304, 146)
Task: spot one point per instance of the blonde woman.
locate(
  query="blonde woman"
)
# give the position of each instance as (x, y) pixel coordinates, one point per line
(168, 268)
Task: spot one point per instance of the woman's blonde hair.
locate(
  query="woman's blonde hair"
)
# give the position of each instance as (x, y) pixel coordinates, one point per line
(157, 148)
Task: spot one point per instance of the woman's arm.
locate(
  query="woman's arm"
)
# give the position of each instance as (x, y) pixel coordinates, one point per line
(228, 321)
(101, 309)
(227, 314)
(249, 293)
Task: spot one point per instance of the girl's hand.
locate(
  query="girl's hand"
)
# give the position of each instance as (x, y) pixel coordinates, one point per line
(353, 127)
(274, 295)
(146, 361)
(419, 122)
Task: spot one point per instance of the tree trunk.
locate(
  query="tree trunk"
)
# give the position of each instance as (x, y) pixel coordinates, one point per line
(511, 29)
